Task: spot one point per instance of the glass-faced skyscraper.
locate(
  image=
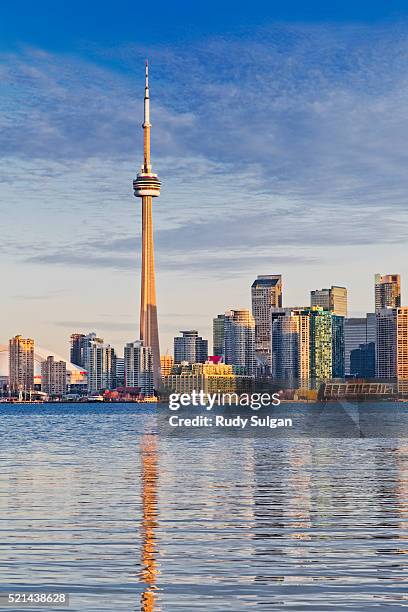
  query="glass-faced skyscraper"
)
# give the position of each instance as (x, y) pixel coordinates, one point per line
(266, 293)
(190, 347)
(147, 186)
(218, 335)
(307, 345)
(239, 340)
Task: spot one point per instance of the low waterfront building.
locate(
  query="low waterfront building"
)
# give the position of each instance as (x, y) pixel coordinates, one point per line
(357, 390)
(207, 377)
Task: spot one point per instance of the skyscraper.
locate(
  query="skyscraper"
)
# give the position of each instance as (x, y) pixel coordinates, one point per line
(21, 364)
(239, 340)
(218, 335)
(387, 291)
(120, 371)
(190, 347)
(290, 346)
(76, 348)
(307, 345)
(139, 367)
(333, 299)
(266, 293)
(78, 344)
(147, 186)
(100, 363)
(392, 343)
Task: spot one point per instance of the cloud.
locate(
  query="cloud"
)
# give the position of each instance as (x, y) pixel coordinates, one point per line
(282, 148)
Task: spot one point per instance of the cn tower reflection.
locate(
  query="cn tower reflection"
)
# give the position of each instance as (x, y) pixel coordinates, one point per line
(149, 482)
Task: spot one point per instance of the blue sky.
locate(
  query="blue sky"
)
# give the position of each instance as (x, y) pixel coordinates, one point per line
(279, 133)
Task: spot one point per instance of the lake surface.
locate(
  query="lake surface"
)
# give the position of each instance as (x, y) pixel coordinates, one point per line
(96, 503)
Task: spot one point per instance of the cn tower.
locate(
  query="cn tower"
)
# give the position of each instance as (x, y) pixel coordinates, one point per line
(147, 186)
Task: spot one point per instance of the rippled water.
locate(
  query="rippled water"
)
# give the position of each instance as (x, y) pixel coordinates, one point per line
(94, 503)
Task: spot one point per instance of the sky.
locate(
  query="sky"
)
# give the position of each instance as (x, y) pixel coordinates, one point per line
(280, 136)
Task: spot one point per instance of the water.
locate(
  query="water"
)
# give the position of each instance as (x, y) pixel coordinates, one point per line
(97, 505)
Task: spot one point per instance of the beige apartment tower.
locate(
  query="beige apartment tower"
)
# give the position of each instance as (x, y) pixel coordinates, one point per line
(147, 186)
(21, 364)
(53, 377)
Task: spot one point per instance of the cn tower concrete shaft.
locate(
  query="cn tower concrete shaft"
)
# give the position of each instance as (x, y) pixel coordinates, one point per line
(149, 330)
(147, 186)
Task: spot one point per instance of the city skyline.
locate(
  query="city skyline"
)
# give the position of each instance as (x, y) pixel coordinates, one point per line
(210, 319)
(306, 155)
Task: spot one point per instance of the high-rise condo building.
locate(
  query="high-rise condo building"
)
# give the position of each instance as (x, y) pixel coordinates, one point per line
(387, 290)
(392, 343)
(100, 363)
(290, 346)
(266, 293)
(190, 347)
(53, 377)
(218, 335)
(78, 345)
(147, 186)
(76, 350)
(239, 340)
(359, 331)
(120, 372)
(21, 364)
(139, 367)
(333, 299)
(166, 363)
(307, 345)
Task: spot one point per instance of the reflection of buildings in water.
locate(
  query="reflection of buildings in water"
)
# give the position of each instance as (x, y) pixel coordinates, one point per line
(402, 484)
(282, 506)
(393, 499)
(149, 482)
(299, 511)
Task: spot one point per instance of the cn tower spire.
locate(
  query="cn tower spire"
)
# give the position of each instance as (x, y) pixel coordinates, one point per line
(146, 125)
(147, 186)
